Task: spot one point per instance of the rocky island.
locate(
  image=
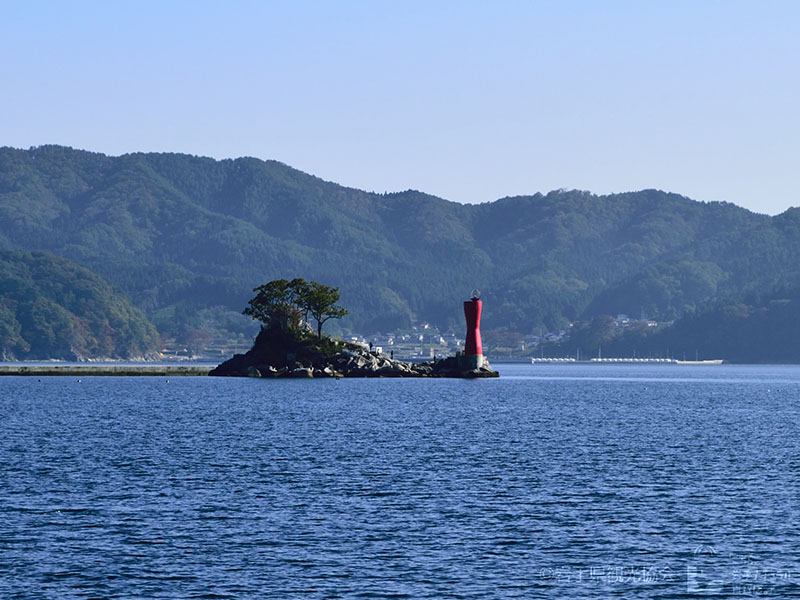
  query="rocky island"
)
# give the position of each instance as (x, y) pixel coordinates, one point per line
(287, 346)
(272, 358)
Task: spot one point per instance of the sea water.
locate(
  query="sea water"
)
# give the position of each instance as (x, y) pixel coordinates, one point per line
(550, 482)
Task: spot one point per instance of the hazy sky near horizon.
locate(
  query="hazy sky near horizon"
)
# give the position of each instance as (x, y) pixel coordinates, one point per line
(467, 100)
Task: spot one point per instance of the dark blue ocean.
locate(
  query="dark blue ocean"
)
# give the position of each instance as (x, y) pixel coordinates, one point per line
(550, 482)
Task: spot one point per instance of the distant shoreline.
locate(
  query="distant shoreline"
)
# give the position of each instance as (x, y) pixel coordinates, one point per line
(106, 370)
(626, 361)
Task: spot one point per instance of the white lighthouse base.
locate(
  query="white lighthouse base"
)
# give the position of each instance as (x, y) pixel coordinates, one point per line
(470, 362)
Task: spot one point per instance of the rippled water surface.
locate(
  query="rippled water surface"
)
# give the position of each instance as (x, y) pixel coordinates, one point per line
(551, 482)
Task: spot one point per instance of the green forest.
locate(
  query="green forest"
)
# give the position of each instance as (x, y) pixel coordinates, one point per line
(755, 330)
(51, 307)
(183, 236)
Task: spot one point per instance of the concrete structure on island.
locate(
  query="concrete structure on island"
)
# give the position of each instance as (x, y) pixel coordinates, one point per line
(473, 348)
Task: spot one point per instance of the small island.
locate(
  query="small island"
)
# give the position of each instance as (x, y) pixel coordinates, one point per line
(289, 346)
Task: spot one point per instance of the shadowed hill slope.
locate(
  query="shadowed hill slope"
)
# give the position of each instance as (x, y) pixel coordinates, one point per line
(51, 307)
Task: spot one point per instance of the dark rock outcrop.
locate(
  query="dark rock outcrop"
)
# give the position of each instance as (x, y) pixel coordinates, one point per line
(337, 359)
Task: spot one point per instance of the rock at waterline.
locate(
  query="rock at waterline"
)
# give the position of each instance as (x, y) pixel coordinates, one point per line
(351, 361)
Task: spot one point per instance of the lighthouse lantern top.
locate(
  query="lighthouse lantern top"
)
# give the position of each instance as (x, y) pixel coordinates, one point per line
(476, 294)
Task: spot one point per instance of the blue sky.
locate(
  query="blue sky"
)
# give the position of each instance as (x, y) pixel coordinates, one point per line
(470, 101)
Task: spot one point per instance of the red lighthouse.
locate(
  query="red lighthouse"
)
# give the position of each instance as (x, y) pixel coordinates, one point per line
(473, 348)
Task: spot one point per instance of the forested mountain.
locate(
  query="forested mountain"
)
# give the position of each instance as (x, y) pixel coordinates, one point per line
(181, 233)
(51, 307)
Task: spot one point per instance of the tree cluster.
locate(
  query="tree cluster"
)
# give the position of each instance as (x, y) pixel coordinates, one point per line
(52, 308)
(285, 305)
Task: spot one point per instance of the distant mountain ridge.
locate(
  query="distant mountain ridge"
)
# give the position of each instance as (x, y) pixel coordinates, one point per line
(181, 233)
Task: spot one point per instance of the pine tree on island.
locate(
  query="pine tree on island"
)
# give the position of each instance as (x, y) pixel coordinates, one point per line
(283, 305)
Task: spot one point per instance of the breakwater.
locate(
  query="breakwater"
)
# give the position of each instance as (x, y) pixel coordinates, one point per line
(106, 370)
(625, 361)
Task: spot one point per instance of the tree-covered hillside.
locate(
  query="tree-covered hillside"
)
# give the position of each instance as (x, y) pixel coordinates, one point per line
(51, 307)
(759, 328)
(182, 233)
